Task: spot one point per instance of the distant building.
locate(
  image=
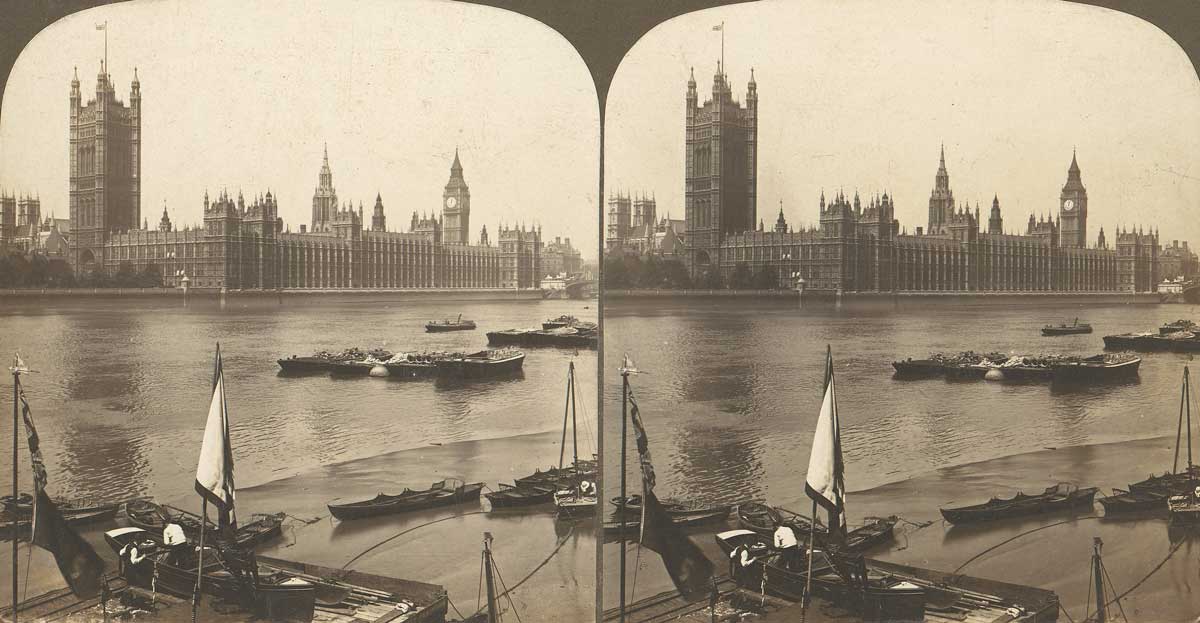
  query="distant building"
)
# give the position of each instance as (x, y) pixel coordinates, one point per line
(720, 170)
(1177, 261)
(106, 168)
(560, 258)
(634, 229)
(20, 223)
(858, 245)
(244, 244)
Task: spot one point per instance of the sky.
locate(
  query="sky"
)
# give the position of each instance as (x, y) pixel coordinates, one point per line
(860, 95)
(244, 96)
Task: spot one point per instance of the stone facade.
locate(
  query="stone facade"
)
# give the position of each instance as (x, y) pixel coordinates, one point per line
(859, 247)
(244, 244)
(105, 170)
(560, 258)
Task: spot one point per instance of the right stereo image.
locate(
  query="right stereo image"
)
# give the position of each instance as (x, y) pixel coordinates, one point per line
(898, 312)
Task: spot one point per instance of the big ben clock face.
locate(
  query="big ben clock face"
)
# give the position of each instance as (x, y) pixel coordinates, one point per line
(1069, 205)
(451, 202)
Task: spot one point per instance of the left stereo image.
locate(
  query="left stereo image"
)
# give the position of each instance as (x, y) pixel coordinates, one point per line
(299, 316)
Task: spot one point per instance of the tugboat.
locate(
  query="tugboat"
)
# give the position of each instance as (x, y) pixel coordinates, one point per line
(442, 326)
(1067, 329)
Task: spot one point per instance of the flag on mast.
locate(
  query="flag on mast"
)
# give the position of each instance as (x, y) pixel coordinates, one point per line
(824, 482)
(78, 562)
(689, 568)
(214, 470)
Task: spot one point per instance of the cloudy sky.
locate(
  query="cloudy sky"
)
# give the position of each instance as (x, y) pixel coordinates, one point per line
(244, 95)
(859, 95)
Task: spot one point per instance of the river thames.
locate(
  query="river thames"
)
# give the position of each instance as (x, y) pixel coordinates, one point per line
(121, 389)
(729, 391)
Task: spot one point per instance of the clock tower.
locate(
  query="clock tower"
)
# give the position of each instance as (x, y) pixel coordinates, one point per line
(1072, 210)
(456, 207)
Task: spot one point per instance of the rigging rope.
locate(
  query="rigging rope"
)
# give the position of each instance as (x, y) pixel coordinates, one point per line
(404, 532)
(1010, 540)
(1114, 600)
(561, 542)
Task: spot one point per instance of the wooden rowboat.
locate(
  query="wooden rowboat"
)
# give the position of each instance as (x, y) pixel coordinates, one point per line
(1056, 498)
(439, 494)
(152, 517)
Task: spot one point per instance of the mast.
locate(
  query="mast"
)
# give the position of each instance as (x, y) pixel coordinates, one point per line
(1179, 426)
(16, 371)
(621, 501)
(1098, 573)
(1187, 401)
(493, 616)
(574, 423)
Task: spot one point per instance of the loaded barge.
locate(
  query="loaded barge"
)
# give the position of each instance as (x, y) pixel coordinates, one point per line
(381, 363)
(1000, 367)
(582, 335)
(1181, 336)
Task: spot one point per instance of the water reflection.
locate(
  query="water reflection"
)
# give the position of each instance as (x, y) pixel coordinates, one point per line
(123, 385)
(732, 387)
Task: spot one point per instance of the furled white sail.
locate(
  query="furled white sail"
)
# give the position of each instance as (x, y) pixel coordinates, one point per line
(824, 482)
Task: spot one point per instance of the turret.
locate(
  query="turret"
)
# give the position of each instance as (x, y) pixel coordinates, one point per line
(378, 220)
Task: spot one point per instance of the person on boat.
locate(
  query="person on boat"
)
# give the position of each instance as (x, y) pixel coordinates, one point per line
(740, 559)
(176, 543)
(785, 542)
(240, 563)
(133, 554)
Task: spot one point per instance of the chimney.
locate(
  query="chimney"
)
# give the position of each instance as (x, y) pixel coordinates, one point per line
(302, 228)
(919, 231)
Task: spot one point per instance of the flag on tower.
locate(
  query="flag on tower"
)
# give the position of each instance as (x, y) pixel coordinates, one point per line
(103, 26)
(720, 26)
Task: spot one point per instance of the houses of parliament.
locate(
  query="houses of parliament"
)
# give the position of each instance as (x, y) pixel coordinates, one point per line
(858, 245)
(243, 243)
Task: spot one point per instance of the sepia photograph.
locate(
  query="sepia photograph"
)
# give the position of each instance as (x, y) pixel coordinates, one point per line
(899, 310)
(542, 311)
(299, 304)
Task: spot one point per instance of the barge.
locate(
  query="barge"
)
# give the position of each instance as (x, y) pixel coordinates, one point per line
(583, 335)
(1102, 368)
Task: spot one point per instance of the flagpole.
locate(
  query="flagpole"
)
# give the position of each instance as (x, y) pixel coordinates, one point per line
(15, 526)
(812, 538)
(621, 502)
(200, 557)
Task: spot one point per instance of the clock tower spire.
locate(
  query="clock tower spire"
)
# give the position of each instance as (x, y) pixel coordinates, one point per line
(1072, 209)
(456, 206)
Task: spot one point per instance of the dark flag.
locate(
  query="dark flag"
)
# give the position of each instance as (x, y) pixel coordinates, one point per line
(78, 562)
(689, 568)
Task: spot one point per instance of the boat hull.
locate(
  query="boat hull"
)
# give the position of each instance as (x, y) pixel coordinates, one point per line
(902, 602)
(542, 338)
(511, 497)
(404, 504)
(445, 328)
(1053, 331)
(273, 602)
(1082, 372)
(474, 368)
(1020, 507)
